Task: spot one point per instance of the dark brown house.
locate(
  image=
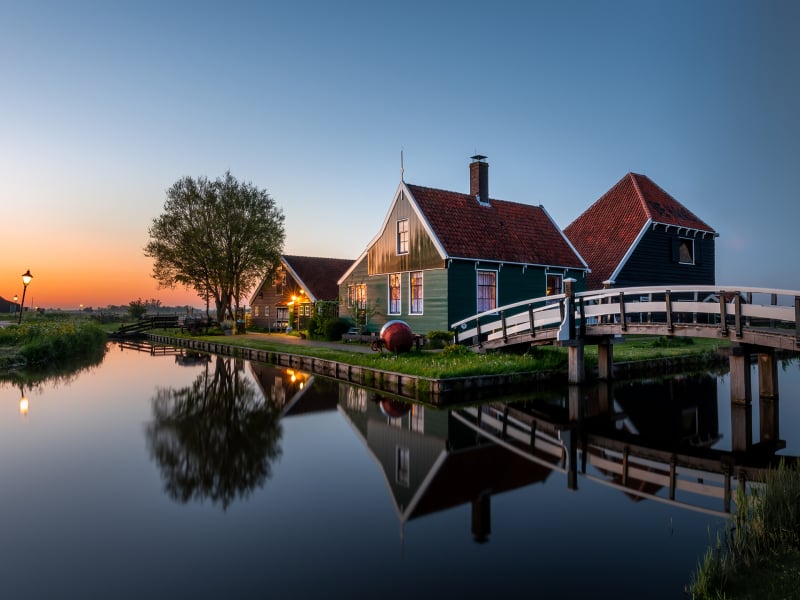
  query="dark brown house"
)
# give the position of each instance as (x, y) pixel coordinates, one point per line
(636, 234)
(287, 298)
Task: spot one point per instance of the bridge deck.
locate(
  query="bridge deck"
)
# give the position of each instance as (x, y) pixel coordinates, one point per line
(757, 316)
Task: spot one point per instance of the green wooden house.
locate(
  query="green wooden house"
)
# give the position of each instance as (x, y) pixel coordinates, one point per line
(441, 256)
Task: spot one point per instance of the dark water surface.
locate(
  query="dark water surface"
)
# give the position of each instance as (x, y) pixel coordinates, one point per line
(164, 476)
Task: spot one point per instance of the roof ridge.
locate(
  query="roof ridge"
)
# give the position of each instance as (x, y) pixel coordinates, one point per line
(639, 193)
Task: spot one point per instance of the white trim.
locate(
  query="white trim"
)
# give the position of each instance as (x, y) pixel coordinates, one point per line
(299, 281)
(389, 293)
(615, 274)
(565, 238)
(352, 268)
(411, 295)
(492, 310)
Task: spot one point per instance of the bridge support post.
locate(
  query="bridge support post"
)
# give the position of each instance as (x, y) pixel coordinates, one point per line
(768, 404)
(577, 373)
(741, 400)
(767, 375)
(740, 375)
(605, 359)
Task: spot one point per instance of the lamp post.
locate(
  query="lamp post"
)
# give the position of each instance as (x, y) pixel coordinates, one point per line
(15, 303)
(26, 279)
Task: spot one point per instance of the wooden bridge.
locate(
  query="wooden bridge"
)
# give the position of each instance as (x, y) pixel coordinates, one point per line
(138, 328)
(756, 320)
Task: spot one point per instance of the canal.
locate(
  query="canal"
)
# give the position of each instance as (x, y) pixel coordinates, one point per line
(181, 475)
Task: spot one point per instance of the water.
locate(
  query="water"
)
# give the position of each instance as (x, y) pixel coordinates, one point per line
(163, 476)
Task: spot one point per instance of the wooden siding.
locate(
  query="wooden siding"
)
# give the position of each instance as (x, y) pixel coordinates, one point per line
(513, 284)
(422, 253)
(435, 293)
(653, 262)
(277, 291)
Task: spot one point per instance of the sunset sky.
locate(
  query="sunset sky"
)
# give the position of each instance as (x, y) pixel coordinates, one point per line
(104, 105)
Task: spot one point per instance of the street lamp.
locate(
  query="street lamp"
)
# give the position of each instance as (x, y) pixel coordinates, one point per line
(15, 303)
(26, 279)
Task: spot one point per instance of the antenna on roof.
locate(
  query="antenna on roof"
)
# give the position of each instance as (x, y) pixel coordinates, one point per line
(401, 164)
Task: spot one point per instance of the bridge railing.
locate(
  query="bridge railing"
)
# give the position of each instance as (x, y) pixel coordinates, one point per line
(731, 309)
(511, 319)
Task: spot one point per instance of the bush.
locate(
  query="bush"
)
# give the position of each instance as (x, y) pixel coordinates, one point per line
(439, 339)
(335, 328)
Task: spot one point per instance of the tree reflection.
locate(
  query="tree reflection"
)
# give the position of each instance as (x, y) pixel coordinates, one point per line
(215, 439)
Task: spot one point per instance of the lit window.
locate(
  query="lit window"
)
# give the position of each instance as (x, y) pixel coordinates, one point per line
(554, 284)
(357, 295)
(487, 290)
(416, 293)
(402, 236)
(394, 294)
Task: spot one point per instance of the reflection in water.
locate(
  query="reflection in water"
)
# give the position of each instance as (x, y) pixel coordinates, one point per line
(648, 440)
(216, 438)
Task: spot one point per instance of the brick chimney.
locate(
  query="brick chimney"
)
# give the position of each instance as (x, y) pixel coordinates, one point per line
(479, 178)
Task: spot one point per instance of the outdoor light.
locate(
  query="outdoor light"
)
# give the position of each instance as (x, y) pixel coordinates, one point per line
(15, 303)
(26, 279)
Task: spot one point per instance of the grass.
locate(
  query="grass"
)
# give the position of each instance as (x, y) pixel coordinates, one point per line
(458, 362)
(759, 556)
(41, 341)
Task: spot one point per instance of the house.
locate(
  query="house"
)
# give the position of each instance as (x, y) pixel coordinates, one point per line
(441, 256)
(288, 296)
(636, 234)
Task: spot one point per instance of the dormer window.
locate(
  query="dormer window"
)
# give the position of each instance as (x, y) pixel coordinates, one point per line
(402, 236)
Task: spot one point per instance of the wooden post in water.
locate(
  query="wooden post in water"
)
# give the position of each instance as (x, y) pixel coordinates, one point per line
(605, 359)
(741, 396)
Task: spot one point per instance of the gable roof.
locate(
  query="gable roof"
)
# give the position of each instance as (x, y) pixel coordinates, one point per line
(318, 276)
(498, 231)
(609, 229)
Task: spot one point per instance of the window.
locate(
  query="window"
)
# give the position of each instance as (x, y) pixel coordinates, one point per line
(555, 284)
(402, 236)
(394, 294)
(416, 293)
(686, 251)
(487, 290)
(357, 295)
(255, 311)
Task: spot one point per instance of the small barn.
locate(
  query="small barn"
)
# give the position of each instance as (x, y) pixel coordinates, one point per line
(636, 234)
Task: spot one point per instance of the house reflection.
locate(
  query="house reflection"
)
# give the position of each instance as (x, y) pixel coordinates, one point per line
(431, 461)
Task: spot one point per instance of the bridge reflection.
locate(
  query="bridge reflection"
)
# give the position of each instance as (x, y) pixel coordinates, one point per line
(657, 441)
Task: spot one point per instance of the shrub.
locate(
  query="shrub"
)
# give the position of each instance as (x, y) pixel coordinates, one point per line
(335, 328)
(439, 339)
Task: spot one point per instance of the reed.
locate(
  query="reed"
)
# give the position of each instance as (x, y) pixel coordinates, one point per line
(758, 556)
(42, 341)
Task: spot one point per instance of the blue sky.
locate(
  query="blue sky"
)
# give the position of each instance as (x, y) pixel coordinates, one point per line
(105, 105)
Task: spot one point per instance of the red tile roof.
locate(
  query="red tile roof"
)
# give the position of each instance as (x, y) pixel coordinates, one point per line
(318, 275)
(502, 231)
(605, 232)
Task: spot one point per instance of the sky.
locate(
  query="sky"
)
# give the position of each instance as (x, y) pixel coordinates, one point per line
(104, 105)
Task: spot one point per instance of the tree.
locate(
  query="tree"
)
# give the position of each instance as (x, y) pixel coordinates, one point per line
(137, 308)
(217, 238)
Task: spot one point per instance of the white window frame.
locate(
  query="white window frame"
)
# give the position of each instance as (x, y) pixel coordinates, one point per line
(478, 288)
(399, 287)
(402, 236)
(690, 244)
(416, 306)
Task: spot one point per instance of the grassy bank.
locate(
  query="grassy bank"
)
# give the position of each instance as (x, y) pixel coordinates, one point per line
(42, 341)
(759, 556)
(456, 361)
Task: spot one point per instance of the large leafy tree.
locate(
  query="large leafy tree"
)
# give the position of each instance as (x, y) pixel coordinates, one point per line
(216, 237)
